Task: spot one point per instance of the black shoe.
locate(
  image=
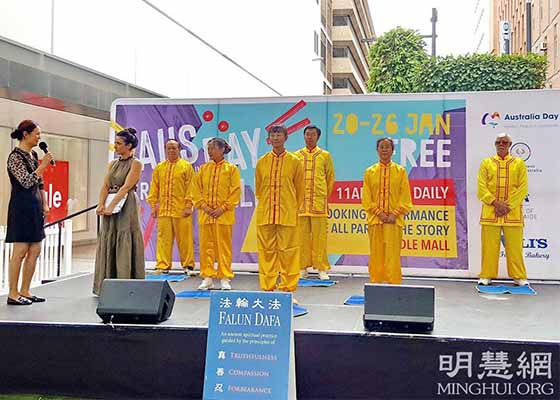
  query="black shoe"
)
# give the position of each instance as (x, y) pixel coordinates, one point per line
(20, 301)
(35, 299)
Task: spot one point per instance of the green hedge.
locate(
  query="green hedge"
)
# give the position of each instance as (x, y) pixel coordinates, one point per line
(399, 64)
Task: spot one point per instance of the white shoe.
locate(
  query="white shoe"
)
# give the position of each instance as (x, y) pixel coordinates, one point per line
(189, 271)
(485, 281)
(324, 276)
(521, 282)
(206, 284)
(224, 283)
(303, 274)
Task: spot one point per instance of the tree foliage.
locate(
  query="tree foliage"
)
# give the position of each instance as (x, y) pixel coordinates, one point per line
(399, 64)
(396, 60)
(483, 72)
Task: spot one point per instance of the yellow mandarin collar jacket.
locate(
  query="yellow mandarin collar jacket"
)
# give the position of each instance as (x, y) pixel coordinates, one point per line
(505, 180)
(386, 189)
(217, 185)
(279, 188)
(170, 188)
(318, 171)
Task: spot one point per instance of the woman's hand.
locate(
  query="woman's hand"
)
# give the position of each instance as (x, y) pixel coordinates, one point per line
(187, 211)
(108, 210)
(99, 209)
(47, 158)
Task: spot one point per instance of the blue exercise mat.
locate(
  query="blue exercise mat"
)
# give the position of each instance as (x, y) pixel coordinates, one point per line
(503, 289)
(167, 277)
(356, 300)
(194, 294)
(298, 310)
(314, 282)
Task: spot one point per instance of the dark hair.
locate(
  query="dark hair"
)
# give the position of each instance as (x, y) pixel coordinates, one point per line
(221, 143)
(129, 137)
(313, 127)
(385, 138)
(24, 126)
(278, 128)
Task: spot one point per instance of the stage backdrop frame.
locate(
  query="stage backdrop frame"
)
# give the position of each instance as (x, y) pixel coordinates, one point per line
(440, 139)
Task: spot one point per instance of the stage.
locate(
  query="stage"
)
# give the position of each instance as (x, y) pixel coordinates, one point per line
(61, 346)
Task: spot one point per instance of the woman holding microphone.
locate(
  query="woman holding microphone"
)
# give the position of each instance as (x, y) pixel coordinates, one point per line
(26, 211)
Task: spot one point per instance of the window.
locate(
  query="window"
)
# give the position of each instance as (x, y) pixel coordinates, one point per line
(341, 20)
(340, 83)
(315, 42)
(554, 60)
(340, 51)
(344, 83)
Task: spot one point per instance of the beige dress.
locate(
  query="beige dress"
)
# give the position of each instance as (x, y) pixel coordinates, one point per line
(120, 247)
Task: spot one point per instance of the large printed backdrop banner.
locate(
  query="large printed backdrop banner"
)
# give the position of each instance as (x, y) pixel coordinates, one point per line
(438, 139)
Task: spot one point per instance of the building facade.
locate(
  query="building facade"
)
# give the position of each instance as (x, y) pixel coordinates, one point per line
(350, 35)
(545, 25)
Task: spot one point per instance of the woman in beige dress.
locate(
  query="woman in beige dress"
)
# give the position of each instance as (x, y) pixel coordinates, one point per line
(120, 247)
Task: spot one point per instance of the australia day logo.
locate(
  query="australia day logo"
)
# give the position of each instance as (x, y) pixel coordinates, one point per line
(492, 119)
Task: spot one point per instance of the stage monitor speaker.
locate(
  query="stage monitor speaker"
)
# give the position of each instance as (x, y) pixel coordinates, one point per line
(135, 301)
(399, 308)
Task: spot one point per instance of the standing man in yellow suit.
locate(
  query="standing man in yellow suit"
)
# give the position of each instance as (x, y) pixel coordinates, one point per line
(318, 171)
(279, 190)
(502, 187)
(171, 204)
(216, 192)
(386, 199)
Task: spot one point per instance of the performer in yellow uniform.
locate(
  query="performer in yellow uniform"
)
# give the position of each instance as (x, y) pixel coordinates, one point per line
(386, 199)
(318, 170)
(216, 192)
(171, 204)
(279, 190)
(502, 187)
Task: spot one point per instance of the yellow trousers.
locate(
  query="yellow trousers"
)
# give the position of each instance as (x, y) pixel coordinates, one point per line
(278, 247)
(215, 245)
(513, 243)
(385, 253)
(313, 247)
(169, 229)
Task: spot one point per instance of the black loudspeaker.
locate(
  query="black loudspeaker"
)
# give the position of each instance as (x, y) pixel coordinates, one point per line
(135, 301)
(399, 308)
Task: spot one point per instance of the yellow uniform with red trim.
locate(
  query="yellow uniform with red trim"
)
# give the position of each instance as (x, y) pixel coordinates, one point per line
(503, 179)
(386, 189)
(170, 194)
(216, 185)
(279, 190)
(318, 171)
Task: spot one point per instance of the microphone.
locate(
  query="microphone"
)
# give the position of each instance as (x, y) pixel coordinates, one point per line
(43, 146)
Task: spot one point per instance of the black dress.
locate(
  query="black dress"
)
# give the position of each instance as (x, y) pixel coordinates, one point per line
(25, 210)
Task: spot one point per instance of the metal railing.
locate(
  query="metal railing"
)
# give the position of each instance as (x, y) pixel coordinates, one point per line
(55, 259)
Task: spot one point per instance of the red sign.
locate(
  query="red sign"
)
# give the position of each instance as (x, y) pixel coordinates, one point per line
(346, 192)
(55, 179)
(433, 192)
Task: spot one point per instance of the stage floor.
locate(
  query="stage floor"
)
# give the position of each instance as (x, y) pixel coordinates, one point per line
(460, 312)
